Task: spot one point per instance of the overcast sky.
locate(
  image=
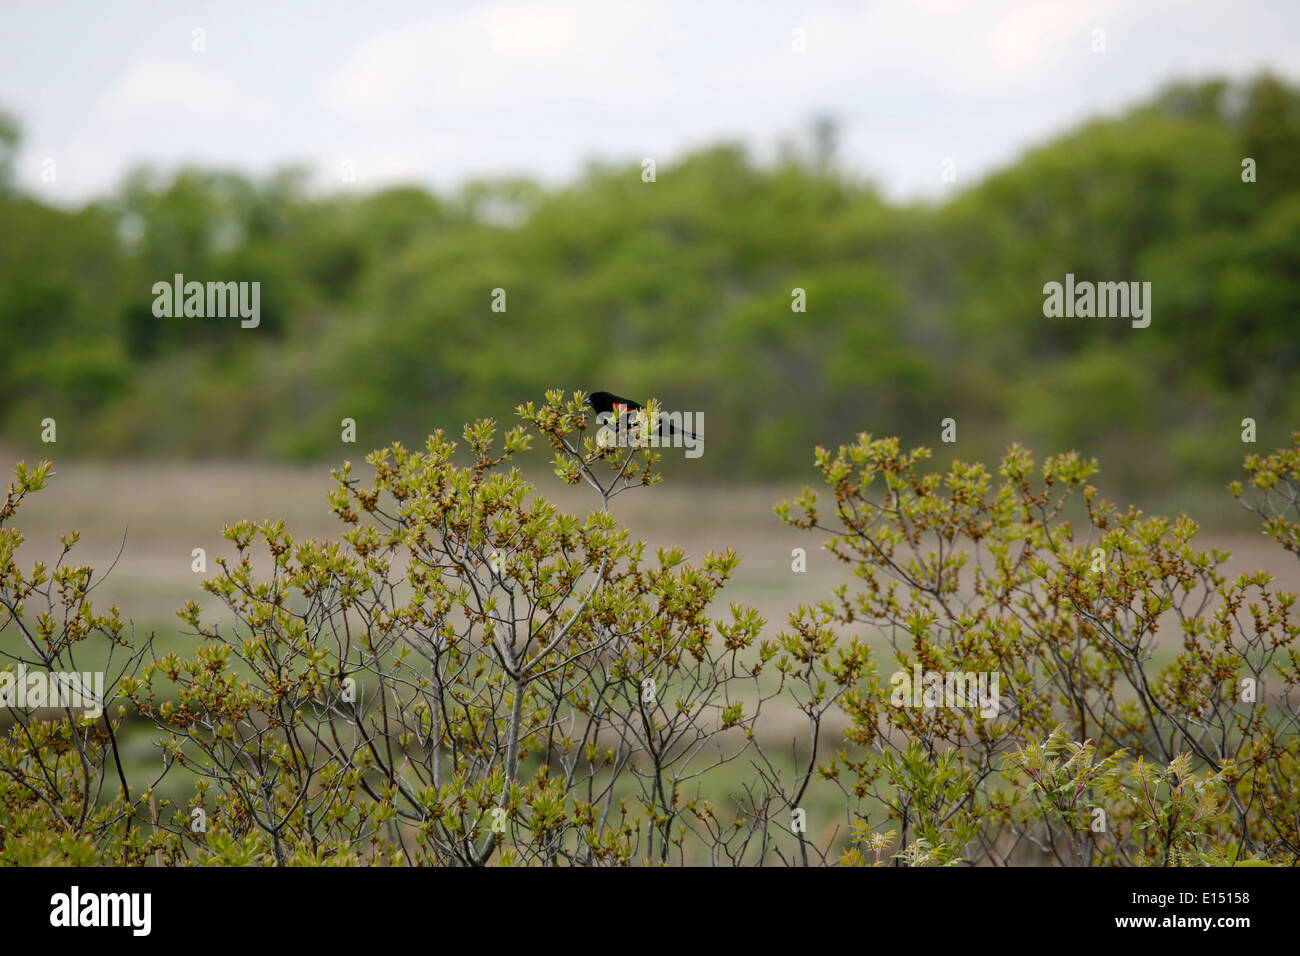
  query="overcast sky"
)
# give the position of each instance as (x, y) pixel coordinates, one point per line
(438, 92)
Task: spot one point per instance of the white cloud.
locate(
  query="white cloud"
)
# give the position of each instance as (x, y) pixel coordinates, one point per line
(505, 56)
(1046, 30)
(532, 32)
(943, 6)
(154, 88)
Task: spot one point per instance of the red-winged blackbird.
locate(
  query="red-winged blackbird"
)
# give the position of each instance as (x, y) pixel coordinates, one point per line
(617, 405)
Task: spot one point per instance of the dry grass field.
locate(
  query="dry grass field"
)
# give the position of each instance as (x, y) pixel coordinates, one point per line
(165, 510)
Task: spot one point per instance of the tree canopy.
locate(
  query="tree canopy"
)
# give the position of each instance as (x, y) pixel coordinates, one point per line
(378, 307)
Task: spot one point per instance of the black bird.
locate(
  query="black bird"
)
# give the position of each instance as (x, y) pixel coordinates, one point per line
(615, 404)
(605, 402)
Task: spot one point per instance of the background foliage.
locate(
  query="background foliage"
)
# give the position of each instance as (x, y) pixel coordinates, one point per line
(377, 306)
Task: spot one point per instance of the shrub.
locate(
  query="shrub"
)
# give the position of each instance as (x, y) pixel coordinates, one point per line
(64, 796)
(469, 676)
(1113, 631)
